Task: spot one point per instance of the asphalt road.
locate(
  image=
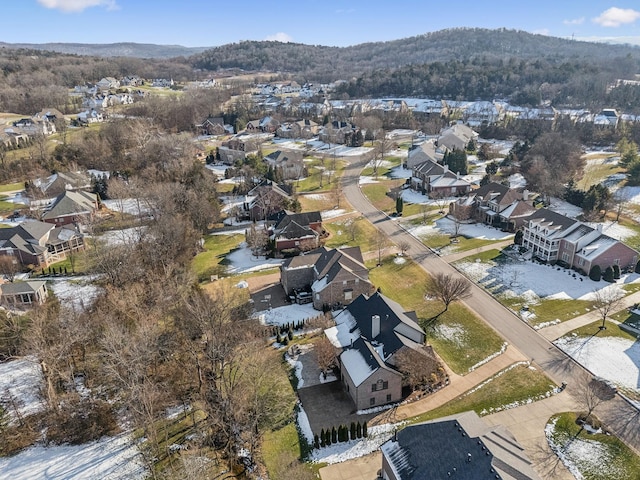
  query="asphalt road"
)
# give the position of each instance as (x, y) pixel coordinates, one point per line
(622, 418)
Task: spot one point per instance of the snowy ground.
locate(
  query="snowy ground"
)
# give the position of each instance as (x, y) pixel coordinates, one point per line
(111, 458)
(446, 226)
(243, 261)
(20, 381)
(125, 236)
(287, 314)
(533, 281)
(131, 206)
(614, 358)
(614, 230)
(77, 293)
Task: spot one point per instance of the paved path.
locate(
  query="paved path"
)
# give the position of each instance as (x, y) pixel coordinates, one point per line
(554, 332)
(452, 257)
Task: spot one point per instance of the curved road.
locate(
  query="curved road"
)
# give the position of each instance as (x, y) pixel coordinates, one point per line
(619, 416)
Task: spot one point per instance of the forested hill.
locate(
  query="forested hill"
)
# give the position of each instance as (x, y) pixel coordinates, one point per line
(123, 49)
(320, 62)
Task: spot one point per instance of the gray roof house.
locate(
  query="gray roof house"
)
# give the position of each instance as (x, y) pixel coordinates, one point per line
(23, 294)
(71, 207)
(371, 330)
(460, 446)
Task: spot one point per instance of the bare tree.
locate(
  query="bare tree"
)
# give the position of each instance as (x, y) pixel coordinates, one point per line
(9, 267)
(420, 368)
(404, 246)
(447, 288)
(257, 239)
(607, 300)
(381, 243)
(352, 227)
(590, 394)
(326, 354)
(441, 200)
(336, 193)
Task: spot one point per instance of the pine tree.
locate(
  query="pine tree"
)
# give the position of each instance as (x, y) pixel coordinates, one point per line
(364, 430)
(334, 435)
(353, 431)
(616, 272)
(359, 430)
(595, 273)
(316, 441)
(607, 276)
(327, 437)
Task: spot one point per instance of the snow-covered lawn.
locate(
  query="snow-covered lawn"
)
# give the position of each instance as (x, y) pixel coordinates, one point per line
(126, 236)
(614, 230)
(131, 206)
(446, 226)
(614, 358)
(20, 383)
(111, 458)
(243, 261)
(77, 293)
(629, 194)
(287, 314)
(533, 281)
(400, 172)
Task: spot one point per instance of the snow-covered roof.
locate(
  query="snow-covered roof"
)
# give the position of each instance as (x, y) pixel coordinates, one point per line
(358, 368)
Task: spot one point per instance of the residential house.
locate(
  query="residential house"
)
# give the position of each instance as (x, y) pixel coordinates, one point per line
(36, 126)
(50, 114)
(212, 126)
(296, 231)
(23, 294)
(96, 102)
(371, 331)
(108, 83)
(332, 276)
(460, 446)
(263, 125)
(552, 238)
(608, 117)
(13, 137)
(131, 81)
(340, 132)
(71, 207)
(456, 137)
(300, 129)
(59, 183)
(496, 205)
(425, 151)
(90, 116)
(286, 165)
(266, 199)
(38, 243)
(437, 180)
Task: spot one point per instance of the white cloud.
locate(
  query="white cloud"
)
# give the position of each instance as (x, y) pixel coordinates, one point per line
(279, 37)
(77, 5)
(614, 17)
(541, 31)
(574, 21)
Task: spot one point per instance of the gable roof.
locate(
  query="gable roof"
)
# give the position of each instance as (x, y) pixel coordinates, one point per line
(460, 446)
(71, 203)
(552, 219)
(283, 218)
(16, 288)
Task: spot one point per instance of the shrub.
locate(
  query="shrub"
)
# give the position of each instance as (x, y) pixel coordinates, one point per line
(359, 430)
(316, 442)
(334, 435)
(80, 421)
(595, 273)
(616, 272)
(637, 269)
(364, 430)
(608, 274)
(353, 431)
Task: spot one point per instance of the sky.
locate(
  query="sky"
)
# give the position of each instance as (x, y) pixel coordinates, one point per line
(207, 23)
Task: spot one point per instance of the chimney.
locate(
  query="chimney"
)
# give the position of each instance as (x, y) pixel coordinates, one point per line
(375, 326)
(525, 195)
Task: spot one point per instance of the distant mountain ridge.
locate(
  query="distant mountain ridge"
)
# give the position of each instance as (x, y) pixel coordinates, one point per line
(122, 49)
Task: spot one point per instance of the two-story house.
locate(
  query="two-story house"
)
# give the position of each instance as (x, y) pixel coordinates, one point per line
(371, 331)
(332, 276)
(437, 180)
(552, 238)
(296, 231)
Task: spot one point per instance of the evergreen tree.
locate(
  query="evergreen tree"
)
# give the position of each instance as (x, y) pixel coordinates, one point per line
(353, 431)
(607, 276)
(334, 435)
(616, 272)
(364, 430)
(399, 205)
(316, 441)
(457, 161)
(322, 438)
(595, 273)
(359, 428)
(637, 269)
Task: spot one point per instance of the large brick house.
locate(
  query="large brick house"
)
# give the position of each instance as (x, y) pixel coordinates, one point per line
(371, 331)
(296, 231)
(437, 180)
(332, 276)
(552, 238)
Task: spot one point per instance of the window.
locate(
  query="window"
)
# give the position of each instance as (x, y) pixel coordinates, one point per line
(348, 294)
(388, 397)
(379, 385)
(317, 296)
(344, 282)
(372, 401)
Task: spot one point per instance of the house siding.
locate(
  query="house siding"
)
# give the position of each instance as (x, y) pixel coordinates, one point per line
(296, 278)
(626, 256)
(334, 293)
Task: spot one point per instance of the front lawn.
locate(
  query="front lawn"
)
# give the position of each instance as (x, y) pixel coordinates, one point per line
(354, 231)
(211, 261)
(376, 193)
(461, 339)
(514, 386)
(592, 456)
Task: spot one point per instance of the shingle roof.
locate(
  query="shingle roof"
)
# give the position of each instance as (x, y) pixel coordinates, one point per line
(460, 446)
(16, 288)
(71, 203)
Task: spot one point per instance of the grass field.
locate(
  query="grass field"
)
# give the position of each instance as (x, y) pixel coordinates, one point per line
(513, 386)
(354, 231)
(405, 283)
(597, 456)
(211, 261)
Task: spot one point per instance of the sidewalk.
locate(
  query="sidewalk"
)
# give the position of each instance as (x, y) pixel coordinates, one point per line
(554, 332)
(460, 255)
(457, 385)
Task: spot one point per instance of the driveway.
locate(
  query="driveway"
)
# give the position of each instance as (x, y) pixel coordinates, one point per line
(328, 405)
